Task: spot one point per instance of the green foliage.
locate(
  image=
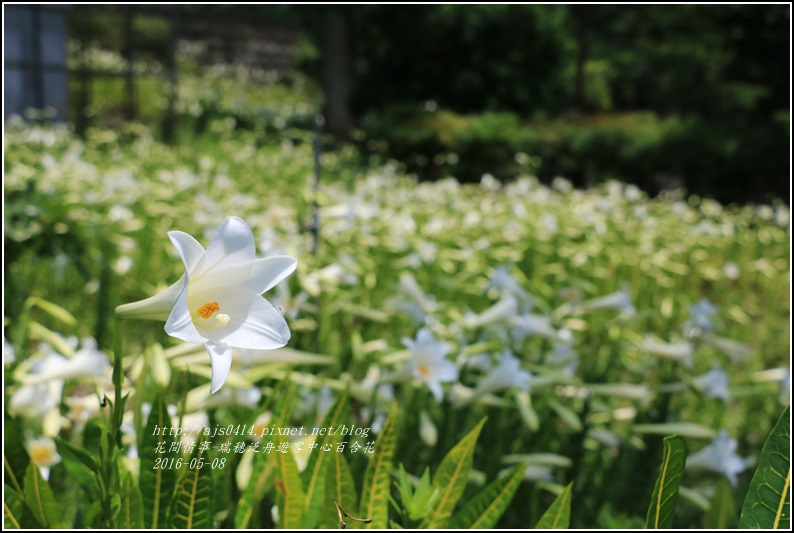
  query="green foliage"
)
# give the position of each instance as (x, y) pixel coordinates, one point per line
(192, 506)
(157, 484)
(484, 510)
(314, 475)
(558, 515)
(665, 493)
(374, 502)
(451, 476)
(417, 503)
(768, 501)
(722, 512)
(41, 500)
(289, 489)
(340, 488)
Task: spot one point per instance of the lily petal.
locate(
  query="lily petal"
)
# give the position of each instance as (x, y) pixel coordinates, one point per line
(180, 323)
(234, 244)
(259, 327)
(190, 250)
(221, 359)
(258, 276)
(157, 307)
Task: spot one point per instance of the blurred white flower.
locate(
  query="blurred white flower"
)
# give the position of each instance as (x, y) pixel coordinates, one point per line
(8, 352)
(43, 454)
(504, 311)
(731, 270)
(427, 430)
(429, 363)
(701, 318)
(676, 351)
(504, 283)
(88, 362)
(736, 351)
(620, 300)
(530, 325)
(719, 457)
(217, 301)
(81, 408)
(412, 300)
(507, 374)
(715, 384)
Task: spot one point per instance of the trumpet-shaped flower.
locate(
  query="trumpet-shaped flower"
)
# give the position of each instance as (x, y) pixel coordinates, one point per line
(507, 374)
(217, 302)
(715, 384)
(719, 457)
(43, 454)
(429, 363)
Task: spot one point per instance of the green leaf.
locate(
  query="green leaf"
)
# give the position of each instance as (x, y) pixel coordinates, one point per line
(41, 500)
(81, 464)
(377, 477)
(192, 507)
(339, 487)
(15, 457)
(314, 475)
(262, 478)
(768, 501)
(156, 484)
(665, 493)
(558, 515)
(485, 509)
(131, 516)
(16, 515)
(264, 465)
(289, 488)
(722, 511)
(451, 478)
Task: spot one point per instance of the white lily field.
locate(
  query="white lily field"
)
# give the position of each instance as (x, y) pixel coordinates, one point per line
(425, 354)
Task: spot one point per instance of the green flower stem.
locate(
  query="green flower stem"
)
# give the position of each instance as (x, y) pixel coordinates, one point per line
(110, 475)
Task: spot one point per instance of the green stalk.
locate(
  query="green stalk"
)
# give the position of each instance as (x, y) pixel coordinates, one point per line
(109, 468)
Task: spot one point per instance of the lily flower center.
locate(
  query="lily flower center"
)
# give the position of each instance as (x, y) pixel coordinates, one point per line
(211, 308)
(424, 370)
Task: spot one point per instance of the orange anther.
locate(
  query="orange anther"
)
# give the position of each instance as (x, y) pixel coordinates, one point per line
(208, 309)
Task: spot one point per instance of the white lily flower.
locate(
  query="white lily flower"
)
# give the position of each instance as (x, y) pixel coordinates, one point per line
(720, 457)
(620, 300)
(503, 282)
(701, 318)
(507, 374)
(676, 351)
(429, 363)
(8, 352)
(531, 325)
(715, 384)
(88, 362)
(43, 454)
(504, 310)
(217, 301)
